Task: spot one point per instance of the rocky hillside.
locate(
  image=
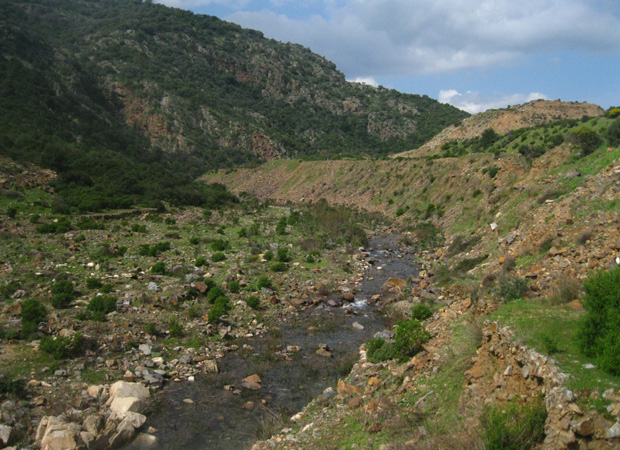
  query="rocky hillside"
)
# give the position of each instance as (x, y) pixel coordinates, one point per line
(506, 239)
(502, 121)
(215, 94)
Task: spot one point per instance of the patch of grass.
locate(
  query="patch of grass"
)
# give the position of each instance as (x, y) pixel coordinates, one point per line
(534, 323)
(514, 426)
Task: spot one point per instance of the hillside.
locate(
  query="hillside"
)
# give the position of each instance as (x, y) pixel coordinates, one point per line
(506, 237)
(128, 75)
(503, 121)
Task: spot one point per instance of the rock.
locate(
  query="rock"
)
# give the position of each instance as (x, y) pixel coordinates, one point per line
(358, 326)
(613, 432)
(394, 285)
(584, 427)
(145, 440)
(145, 349)
(385, 334)
(345, 388)
(6, 435)
(60, 436)
(93, 424)
(185, 359)
(94, 391)
(135, 419)
(253, 382)
(123, 405)
(126, 389)
(124, 433)
(324, 353)
(208, 366)
(572, 174)
(152, 286)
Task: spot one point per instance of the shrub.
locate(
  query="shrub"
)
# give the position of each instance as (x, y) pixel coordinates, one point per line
(175, 328)
(234, 287)
(279, 267)
(103, 304)
(150, 328)
(283, 255)
(586, 139)
(511, 288)
(10, 386)
(220, 308)
(11, 211)
(409, 337)
(400, 212)
(33, 312)
(264, 282)
(514, 427)
(219, 245)
(62, 287)
(214, 293)
(93, 283)
(281, 226)
(159, 268)
(153, 250)
(268, 256)
(599, 335)
(253, 302)
(137, 228)
(201, 261)
(613, 133)
(63, 347)
(62, 300)
(421, 312)
(194, 241)
(107, 289)
(218, 257)
(378, 350)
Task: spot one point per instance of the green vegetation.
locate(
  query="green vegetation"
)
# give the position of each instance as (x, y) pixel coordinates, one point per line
(510, 288)
(409, 336)
(599, 334)
(514, 427)
(62, 294)
(62, 347)
(33, 312)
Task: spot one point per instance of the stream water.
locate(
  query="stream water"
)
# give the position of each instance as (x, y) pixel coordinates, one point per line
(218, 418)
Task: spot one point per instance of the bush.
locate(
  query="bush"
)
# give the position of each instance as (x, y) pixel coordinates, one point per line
(218, 257)
(62, 301)
(219, 245)
(379, 350)
(400, 212)
(279, 267)
(599, 335)
(33, 313)
(234, 287)
(514, 427)
(159, 268)
(283, 255)
(220, 308)
(421, 312)
(613, 133)
(93, 283)
(281, 226)
(153, 250)
(586, 139)
(63, 347)
(511, 288)
(150, 328)
(409, 337)
(264, 282)
(10, 386)
(11, 211)
(253, 302)
(102, 304)
(213, 293)
(268, 256)
(62, 287)
(175, 328)
(201, 261)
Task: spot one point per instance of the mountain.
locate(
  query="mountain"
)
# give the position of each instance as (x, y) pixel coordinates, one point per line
(143, 79)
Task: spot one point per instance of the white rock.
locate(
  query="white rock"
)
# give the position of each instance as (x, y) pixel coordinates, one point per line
(5, 434)
(126, 389)
(123, 405)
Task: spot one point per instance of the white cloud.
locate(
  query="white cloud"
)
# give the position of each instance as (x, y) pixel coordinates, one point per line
(474, 102)
(414, 37)
(366, 80)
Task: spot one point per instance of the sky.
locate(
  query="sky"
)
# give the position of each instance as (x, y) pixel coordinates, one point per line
(473, 54)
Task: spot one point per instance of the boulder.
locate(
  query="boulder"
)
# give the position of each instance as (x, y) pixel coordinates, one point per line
(253, 382)
(122, 405)
(122, 389)
(6, 435)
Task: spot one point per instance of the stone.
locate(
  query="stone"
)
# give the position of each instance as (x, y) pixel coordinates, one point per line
(6, 434)
(145, 349)
(358, 326)
(60, 436)
(135, 419)
(209, 366)
(584, 427)
(126, 389)
(185, 359)
(253, 382)
(613, 432)
(345, 388)
(152, 286)
(572, 174)
(124, 433)
(93, 424)
(394, 284)
(324, 353)
(122, 405)
(94, 391)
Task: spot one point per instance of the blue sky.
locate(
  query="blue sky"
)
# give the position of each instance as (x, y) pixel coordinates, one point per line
(474, 54)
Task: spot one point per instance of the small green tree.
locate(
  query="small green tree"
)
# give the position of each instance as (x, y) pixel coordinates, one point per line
(599, 334)
(586, 139)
